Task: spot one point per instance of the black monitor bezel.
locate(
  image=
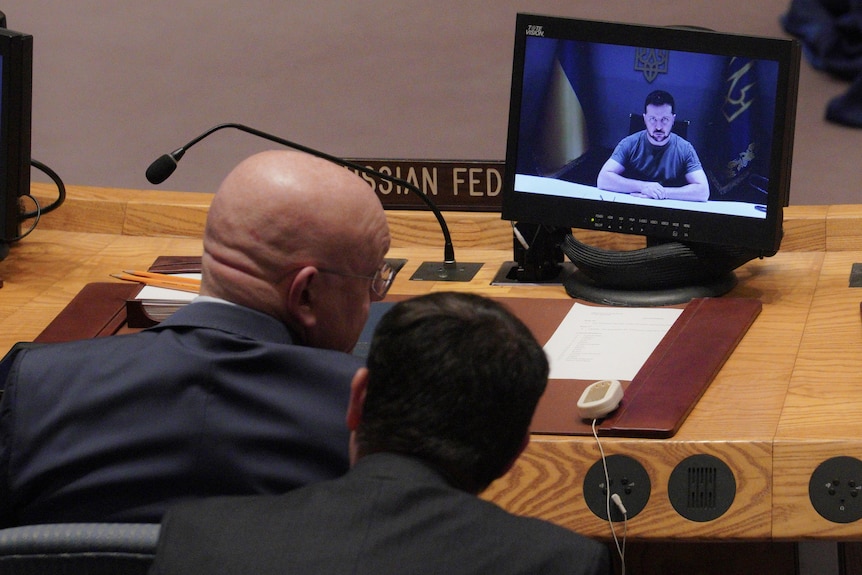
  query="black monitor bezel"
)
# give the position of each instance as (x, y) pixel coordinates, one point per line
(763, 236)
(16, 101)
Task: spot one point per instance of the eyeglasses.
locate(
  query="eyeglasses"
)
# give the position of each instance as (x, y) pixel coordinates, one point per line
(664, 120)
(380, 281)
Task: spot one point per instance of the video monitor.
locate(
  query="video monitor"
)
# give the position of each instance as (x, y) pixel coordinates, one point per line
(678, 134)
(16, 89)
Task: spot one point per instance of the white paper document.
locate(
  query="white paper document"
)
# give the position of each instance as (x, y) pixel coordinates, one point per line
(596, 343)
(154, 293)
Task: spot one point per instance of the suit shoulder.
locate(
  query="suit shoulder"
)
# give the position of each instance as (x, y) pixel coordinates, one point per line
(553, 548)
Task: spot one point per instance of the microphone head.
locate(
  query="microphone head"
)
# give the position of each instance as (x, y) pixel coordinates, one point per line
(161, 169)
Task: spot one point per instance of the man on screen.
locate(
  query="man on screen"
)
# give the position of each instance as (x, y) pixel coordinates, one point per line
(656, 163)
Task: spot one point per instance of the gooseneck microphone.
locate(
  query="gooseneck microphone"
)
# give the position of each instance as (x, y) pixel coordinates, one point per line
(447, 270)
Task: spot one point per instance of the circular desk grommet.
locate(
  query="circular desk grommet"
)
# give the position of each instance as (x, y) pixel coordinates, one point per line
(701, 488)
(835, 488)
(628, 479)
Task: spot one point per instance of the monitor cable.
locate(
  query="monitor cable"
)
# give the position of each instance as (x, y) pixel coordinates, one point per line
(40, 211)
(520, 237)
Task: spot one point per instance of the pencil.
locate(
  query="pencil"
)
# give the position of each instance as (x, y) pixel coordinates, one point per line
(173, 278)
(169, 281)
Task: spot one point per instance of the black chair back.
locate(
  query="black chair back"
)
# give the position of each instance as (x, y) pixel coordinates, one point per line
(78, 549)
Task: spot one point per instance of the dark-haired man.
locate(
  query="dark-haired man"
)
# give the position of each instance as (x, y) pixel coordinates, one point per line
(441, 410)
(656, 163)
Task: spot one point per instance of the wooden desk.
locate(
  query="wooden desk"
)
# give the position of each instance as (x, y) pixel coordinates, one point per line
(787, 399)
(822, 412)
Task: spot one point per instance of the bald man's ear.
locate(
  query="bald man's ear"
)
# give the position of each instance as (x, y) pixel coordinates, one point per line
(301, 298)
(358, 387)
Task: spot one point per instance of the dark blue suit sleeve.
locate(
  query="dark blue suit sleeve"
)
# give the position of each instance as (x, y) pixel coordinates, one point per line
(7, 400)
(5, 434)
(9, 359)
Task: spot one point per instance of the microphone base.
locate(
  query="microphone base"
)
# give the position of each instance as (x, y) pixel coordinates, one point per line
(446, 272)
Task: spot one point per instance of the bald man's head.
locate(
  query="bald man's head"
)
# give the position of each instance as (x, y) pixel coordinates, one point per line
(278, 212)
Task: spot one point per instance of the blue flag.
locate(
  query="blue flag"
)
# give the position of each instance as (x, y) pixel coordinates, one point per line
(735, 153)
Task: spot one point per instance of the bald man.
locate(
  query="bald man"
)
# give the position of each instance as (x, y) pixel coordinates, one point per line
(242, 391)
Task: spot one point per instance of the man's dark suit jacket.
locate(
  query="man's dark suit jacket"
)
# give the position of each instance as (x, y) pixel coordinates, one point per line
(216, 400)
(389, 515)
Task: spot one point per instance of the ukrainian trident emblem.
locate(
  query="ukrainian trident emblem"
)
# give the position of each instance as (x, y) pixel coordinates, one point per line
(651, 62)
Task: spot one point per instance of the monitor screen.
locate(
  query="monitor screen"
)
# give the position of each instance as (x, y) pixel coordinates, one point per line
(16, 89)
(676, 134)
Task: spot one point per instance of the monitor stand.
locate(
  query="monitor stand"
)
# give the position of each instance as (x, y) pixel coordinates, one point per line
(578, 285)
(659, 274)
(538, 253)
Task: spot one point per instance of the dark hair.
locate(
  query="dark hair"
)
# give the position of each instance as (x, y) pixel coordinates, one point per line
(454, 379)
(660, 98)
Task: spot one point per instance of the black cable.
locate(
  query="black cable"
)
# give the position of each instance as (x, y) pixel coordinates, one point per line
(61, 192)
(37, 214)
(39, 211)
